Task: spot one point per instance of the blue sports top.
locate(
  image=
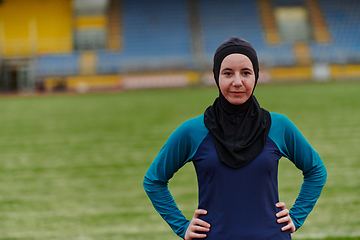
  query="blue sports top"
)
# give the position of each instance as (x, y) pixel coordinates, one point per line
(240, 202)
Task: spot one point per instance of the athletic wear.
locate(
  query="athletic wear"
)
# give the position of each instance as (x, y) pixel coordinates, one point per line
(240, 202)
(239, 132)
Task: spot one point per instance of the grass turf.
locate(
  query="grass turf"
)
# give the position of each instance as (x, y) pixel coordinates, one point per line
(72, 166)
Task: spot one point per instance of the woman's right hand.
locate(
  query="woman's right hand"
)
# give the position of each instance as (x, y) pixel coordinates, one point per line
(197, 225)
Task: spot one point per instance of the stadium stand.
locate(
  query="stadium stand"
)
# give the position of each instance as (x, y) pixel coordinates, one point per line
(288, 3)
(219, 25)
(155, 33)
(139, 36)
(37, 27)
(269, 22)
(320, 29)
(343, 20)
(58, 65)
(114, 24)
(156, 28)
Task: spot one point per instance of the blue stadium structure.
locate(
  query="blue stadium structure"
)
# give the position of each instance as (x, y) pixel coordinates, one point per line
(343, 21)
(182, 35)
(157, 35)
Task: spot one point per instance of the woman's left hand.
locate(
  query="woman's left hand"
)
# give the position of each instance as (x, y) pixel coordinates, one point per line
(284, 217)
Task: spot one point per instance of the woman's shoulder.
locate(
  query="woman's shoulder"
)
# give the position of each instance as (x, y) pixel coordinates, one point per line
(280, 124)
(278, 117)
(193, 122)
(193, 128)
(280, 120)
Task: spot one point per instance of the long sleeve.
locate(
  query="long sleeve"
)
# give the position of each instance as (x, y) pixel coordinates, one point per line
(296, 148)
(178, 150)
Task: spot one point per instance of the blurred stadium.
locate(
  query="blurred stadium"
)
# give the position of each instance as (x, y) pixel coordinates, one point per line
(72, 165)
(84, 45)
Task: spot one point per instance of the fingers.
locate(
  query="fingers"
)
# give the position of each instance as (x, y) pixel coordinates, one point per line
(197, 221)
(289, 224)
(282, 213)
(290, 227)
(280, 205)
(192, 235)
(199, 212)
(192, 232)
(197, 225)
(284, 217)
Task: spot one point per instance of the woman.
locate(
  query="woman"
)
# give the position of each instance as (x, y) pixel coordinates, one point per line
(235, 147)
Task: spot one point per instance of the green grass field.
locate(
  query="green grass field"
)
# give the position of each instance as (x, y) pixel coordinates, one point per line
(72, 165)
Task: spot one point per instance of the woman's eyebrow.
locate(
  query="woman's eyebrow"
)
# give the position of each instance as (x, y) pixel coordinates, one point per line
(245, 68)
(230, 69)
(227, 69)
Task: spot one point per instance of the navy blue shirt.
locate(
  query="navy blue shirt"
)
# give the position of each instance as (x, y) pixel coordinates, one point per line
(243, 199)
(240, 202)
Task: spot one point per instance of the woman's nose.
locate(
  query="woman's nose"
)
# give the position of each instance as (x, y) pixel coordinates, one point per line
(237, 80)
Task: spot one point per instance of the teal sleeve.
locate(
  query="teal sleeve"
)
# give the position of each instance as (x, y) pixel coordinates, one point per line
(296, 148)
(180, 147)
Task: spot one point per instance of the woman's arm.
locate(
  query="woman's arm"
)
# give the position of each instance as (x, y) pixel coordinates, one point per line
(165, 205)
(295, 147)
(178, 150)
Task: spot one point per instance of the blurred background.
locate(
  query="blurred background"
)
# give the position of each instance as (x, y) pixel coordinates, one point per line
(90, 45)
(72, 165)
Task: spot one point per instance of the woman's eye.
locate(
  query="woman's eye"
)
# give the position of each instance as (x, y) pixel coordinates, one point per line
(227, 73)
(246, 73)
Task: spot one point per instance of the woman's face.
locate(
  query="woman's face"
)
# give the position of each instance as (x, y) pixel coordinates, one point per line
(236, 78)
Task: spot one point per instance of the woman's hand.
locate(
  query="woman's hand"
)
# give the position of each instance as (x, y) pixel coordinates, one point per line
(284, 217)
(197, 225)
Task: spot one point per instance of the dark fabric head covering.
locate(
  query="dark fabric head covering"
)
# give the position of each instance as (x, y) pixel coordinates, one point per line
(235, 45)
(239, 131)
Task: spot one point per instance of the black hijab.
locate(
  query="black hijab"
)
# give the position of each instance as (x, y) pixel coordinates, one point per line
(239, 131)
